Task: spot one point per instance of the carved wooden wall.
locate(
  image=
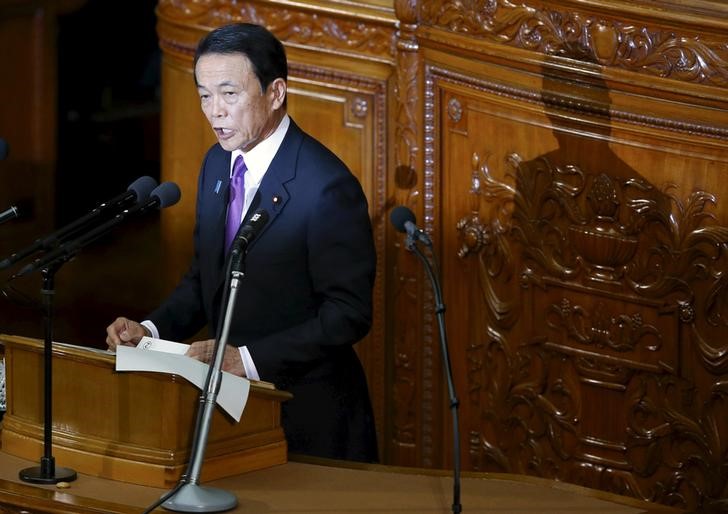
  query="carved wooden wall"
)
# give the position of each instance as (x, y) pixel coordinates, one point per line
(574, 175)
(569, 159)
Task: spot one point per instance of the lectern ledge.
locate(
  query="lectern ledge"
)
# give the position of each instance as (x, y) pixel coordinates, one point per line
(132, 427)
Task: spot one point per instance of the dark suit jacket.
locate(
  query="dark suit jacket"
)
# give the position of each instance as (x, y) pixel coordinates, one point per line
(306, 296)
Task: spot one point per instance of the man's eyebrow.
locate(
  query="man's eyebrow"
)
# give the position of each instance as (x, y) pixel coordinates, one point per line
(225, 83)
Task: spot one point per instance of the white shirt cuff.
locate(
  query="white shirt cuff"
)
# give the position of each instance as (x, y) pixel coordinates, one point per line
(152, 328)
(248, 364)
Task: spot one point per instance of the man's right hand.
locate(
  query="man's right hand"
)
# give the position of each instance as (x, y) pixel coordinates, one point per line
(124, 332)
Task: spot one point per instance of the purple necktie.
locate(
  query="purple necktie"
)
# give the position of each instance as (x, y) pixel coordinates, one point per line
(235, 200)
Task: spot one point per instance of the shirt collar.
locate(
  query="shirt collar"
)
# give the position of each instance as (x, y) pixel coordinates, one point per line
(259, 158)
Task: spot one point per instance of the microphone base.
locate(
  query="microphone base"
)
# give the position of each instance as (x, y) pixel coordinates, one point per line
(47, 473)
(195, 498)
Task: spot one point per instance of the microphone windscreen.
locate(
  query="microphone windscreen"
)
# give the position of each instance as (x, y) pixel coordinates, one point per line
(3, 149)
(400, 215)
(142, 188)
(258, 220)
(168, 194)
(247, 233)
(255, 224)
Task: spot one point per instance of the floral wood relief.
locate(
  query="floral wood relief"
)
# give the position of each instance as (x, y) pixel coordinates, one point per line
(633, 281)
(689, 57)
(296, 27)
(603, 328)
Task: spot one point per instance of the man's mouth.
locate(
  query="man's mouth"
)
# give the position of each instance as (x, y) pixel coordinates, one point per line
(223, 133)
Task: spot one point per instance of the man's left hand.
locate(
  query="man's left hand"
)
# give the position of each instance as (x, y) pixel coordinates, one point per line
(231, 361)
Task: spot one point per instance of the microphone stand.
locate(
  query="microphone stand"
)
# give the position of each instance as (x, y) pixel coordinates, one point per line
(411, 245)
(189, 496)
(47, 472)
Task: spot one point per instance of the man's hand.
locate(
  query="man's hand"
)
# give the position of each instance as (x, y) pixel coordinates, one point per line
(231, 360)
(124, 332)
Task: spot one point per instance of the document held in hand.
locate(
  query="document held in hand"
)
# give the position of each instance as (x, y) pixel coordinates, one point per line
(162, 356)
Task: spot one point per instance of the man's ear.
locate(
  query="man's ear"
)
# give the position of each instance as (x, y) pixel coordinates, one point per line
(278, 90)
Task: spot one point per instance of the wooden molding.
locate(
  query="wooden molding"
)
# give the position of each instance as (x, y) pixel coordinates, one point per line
(685, 52)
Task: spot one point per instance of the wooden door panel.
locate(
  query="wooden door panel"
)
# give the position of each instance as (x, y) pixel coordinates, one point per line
(590, 261)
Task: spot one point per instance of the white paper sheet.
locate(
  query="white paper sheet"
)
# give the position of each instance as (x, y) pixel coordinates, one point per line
(162, 345)
(234, 390)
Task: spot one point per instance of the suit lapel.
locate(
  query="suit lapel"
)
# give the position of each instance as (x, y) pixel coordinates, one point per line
(272, 194)
(215, 186)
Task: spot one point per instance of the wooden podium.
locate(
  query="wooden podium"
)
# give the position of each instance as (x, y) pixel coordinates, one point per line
(129, 426)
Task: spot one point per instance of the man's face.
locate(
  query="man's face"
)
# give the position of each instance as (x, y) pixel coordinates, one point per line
(238, 111)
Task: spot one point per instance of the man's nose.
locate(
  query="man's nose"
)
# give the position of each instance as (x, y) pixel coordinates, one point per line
(218, 107)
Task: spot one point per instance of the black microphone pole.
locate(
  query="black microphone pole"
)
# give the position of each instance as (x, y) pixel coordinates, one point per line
(47, 472)
(404, 221)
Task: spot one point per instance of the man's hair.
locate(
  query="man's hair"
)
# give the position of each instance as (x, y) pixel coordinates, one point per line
(258, 44)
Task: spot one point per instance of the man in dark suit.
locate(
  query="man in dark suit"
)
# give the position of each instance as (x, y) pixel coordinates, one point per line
(306, 295)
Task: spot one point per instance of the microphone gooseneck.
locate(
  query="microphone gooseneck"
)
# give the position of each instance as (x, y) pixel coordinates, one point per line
(164, 195)
(138, 191)
(403, 220)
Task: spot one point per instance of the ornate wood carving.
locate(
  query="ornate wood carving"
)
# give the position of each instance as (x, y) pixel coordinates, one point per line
(411, 429)
(621, 267)
(335, 32)
(597, 110)
(685, 54)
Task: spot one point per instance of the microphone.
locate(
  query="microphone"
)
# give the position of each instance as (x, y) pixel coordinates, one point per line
(3, 149)
(164, 195)
(404, 221)
(23, 208)
(8, 214)
(137, 191)
(245, 236)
